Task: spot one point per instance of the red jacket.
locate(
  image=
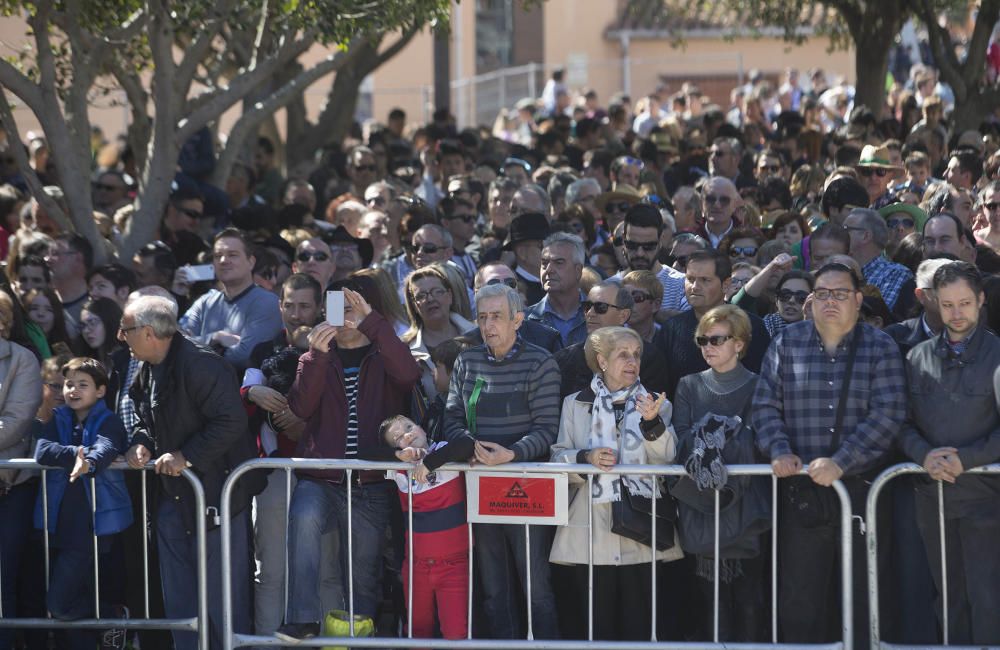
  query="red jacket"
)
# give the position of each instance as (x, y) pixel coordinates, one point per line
(385, 385)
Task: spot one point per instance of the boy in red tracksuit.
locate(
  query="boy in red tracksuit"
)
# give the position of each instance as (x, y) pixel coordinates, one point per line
(440, 530)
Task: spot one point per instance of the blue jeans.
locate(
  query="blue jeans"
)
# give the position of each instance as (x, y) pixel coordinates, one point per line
(16, 509)
(502, 562)
(179, 573)
(318, 507)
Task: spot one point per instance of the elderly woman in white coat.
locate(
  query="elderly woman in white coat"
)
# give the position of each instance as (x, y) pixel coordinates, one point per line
(614, 421)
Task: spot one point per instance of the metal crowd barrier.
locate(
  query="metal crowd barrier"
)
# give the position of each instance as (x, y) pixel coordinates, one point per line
(872, 537)
(232, 639)
(198, 624)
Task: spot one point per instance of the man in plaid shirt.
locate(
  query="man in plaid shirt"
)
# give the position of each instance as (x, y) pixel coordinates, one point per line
(795, 417)
(869, 237)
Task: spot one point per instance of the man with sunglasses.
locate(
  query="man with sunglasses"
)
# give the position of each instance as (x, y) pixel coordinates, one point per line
(876, 172)
(805, 416)
(641, 242)
(705, 283)
(314, 258)
(719, 201)
(869, 236)
(459, 217)
(361, 169)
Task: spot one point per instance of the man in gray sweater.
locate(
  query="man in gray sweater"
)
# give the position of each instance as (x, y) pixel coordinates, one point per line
(954, 425)
(505, 393)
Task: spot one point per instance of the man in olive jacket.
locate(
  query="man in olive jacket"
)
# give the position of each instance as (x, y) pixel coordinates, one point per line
(190, 416)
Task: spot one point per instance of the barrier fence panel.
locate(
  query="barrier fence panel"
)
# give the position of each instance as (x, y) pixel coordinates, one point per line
(234, 639)
(872, 540)
(198, 624)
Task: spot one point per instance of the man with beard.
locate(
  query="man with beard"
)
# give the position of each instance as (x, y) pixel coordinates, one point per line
(643, 228)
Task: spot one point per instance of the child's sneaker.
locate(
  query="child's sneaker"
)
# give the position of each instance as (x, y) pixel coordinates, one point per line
(115, 639)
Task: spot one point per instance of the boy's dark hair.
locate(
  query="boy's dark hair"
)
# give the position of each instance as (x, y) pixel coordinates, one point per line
(837, 267)
(723, 265)
(236, 233)
(956, 272)
(297, 281)
(117, 275)
(91, 367)
(448, 352)
(643, 215)
(383, 429)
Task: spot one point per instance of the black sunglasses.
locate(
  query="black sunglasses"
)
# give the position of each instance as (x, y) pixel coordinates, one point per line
(894, 223)
(868, 171)
(306, 256)
(619, 206)
(649, 247)
(599, 307)
(745, 251)
(787, 295)
(510, 282)
(714, 341)
(426, 249)
(639, 297)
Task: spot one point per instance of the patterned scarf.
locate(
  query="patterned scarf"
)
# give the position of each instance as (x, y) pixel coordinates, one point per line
(629, 447)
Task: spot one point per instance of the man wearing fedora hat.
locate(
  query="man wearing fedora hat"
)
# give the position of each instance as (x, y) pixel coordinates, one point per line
(876, 172)
(527, 232)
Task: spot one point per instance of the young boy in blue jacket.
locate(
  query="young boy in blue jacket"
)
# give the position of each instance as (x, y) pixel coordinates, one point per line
(83, 438)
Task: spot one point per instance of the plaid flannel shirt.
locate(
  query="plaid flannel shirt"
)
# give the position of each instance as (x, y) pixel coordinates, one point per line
(888, 276)
(799, 388)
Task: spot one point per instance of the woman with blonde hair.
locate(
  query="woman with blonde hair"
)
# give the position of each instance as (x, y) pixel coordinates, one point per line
(613, 421)
(434, 318)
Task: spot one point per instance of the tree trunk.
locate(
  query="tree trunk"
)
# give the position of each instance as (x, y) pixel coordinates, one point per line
(974, 109)
(871, 64)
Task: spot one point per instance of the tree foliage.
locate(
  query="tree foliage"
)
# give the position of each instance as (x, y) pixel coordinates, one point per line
(179, 62)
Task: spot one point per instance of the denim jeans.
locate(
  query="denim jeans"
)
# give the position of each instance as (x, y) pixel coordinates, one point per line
(16, 509)
(502, 560)
(269, 527)
(317, 508)
(179, 573)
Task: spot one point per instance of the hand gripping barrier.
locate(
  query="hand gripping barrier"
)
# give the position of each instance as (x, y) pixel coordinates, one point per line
(198, 624)
(234, 640)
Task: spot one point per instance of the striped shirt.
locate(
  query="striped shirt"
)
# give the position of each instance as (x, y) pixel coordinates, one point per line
(795, 406)
(351, 358)
(518, 406)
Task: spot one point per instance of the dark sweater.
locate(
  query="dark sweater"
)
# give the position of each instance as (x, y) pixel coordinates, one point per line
(676, 339)
(706, 392)
(518, 406)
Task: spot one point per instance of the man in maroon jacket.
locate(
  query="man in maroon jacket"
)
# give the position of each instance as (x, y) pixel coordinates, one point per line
(351, 379)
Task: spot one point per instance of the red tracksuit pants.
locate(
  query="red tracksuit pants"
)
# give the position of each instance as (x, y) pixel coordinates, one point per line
(440, 584)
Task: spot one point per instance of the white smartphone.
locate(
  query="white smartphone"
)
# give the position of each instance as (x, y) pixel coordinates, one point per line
(335, 308)
(201, 272)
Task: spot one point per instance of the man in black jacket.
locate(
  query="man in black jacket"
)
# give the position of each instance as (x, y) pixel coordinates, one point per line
(954, 426)
(918, 329)
(190, 417)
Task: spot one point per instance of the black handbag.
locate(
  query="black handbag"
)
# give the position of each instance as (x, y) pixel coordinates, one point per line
(631, 517)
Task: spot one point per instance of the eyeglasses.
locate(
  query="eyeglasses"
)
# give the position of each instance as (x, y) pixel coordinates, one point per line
(639, 297)
(194, 214)
(426, 249)
(125, 330)
(787, 295)
(510, 282)
(466, 218)
(365, 168)
(742, 251)
(716, 199)
(839, 295)
(599, 307)
(714, 341)
(868, 171)
(894, 223)
(307, 256)
(991, 206)
(90, 323)
(424, 296)
(618, 206)
(648, 247)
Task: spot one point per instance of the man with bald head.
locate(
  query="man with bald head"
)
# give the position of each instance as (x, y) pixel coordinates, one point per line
(719, 201)
(314, 258)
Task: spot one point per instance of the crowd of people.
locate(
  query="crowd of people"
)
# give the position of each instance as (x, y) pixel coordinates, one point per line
(785, 279)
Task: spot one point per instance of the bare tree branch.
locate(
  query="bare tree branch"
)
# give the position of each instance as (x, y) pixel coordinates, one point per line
(394, 49)
(197, 51)
(22, 87)
(39, 23)
(259, 38)
(30, 177)
(944, 53)
(128, 30)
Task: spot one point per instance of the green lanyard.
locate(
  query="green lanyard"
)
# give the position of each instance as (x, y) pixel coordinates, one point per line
(470, 408)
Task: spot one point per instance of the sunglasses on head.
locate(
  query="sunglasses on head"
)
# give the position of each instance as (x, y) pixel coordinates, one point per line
(599, 307)
(742, 251)
(649, 247)
(306, 256)
(714, 341)
(787, 295)
(894, 222)
(510, 282)
(716, 199)
(868, 171)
